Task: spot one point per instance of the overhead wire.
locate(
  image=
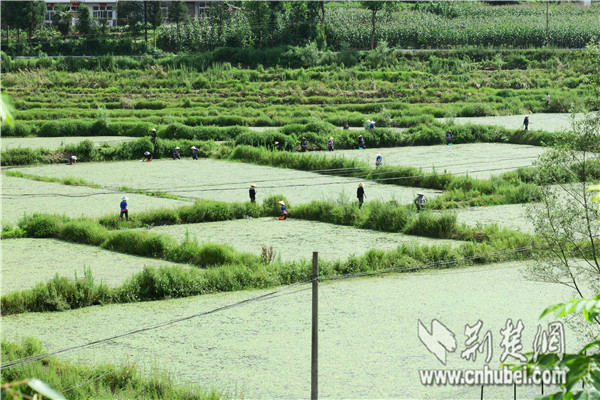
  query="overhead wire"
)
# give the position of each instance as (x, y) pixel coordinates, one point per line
(9, 195)
(31, 359)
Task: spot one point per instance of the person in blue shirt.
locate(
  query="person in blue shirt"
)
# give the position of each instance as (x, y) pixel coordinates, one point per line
(371, 125)
(379, 160)
(153, 136)
(330, 144)
(194, 153)
(72, 160)
(176, 154)
(361, 142)
(526, 122)
(449, 137)
(124, 210)
(283, 210)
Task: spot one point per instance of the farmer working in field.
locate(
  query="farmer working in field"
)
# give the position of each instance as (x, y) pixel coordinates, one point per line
(330, 144)
(379, 160)
(346, 126)
(449, 137)
(420, 201)
(72, 160)
(176, 154)
(361, 142)
(526, 122)
(253, 193)
(124, 210)
(283, 211)
(303, 145)
(360, 193)
(153, 136)
(147, 156)
(194, 153)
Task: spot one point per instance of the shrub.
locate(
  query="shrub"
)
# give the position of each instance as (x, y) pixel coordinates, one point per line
(140, 243)
(42, 225)
(272, 207)
(84, 231)
(428, 224)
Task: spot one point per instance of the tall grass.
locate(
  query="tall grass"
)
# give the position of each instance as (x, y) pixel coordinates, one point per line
(126, 381)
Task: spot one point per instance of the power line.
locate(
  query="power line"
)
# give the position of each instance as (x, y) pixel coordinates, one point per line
(31, 359)
(5, 195)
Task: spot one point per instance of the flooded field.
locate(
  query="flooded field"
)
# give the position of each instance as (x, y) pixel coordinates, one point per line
(479, 160)
(544, 122)
(295, 239)
(26, 262)
(512, 216)
(20, 196)
(369, 346)
(225, 181)
(53, 143)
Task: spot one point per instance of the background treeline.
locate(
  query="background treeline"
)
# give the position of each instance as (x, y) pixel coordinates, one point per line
(329, 25)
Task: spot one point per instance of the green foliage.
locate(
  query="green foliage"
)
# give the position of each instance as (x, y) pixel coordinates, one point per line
(42, 225)
(109, 381)
(141, 243)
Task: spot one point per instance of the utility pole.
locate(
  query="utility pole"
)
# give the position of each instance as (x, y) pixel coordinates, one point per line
(314, 366)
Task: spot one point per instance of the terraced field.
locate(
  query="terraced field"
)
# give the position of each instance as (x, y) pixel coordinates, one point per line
(368, 334)
(556, 122)
(53, 143)
(22, 196)
(224, 181)
(511, 216)
(295, 239)
(41, 259)
(479, 160)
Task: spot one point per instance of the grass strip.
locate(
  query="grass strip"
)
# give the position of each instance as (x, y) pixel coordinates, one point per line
(99, 381)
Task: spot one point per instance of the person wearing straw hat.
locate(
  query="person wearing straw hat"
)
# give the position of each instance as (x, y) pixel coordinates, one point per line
(72, 160)
(276, 146)
(361, 142)
(147, 156)
(194, 153)
(283, 211)
(253, 193)
(526, 122)
(378, 160)
(449, 137)
(153, 136)
(124, 210)
(371, 125)
(420, 201)
(360, 193)
(176, 154)
(330, 144)
(303, 145)
(346, 125)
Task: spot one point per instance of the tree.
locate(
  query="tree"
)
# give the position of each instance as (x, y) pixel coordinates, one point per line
(31, 17)
(62, 20)
(85, 25)
(177, 13)
(375, 7)
(154, 16)
(262, 17)
(220, 14)
(566, 220)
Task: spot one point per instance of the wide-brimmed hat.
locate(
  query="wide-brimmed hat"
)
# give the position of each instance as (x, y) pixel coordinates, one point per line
(74, 157)
(193, 147)
(276, 142)
(331, 138)
(420, 194)
(303, 138)
(361, 184)
(527, 116)
(125, 198)
(379, 155)
(360, 136)
(153, 129)
(282, 203)
(253, 185)
(177, 148)
(147, 153)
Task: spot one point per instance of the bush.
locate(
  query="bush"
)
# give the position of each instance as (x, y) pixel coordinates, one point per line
(272, 207)
(84, 231)
(42, 225)
(139, 243)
